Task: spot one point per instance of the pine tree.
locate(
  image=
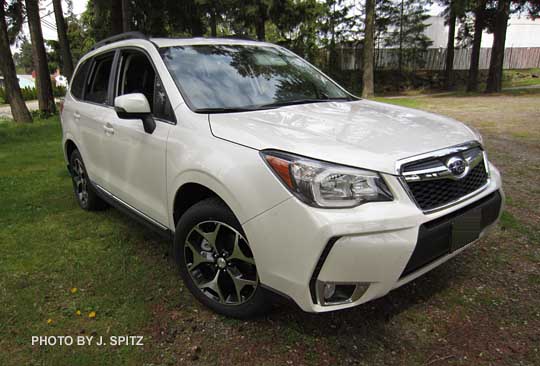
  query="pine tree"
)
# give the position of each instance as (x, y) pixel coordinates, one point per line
(19, 111)
(67, 60)
(43, 77)
(407, 32)
(368, 50)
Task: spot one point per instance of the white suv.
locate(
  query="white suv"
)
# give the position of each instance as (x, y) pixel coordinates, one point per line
(268, 175)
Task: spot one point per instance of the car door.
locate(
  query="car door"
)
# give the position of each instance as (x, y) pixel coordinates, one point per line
(93, 115)
(136, 158)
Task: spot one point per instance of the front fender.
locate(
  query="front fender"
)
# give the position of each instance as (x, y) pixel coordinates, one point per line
(237, 174)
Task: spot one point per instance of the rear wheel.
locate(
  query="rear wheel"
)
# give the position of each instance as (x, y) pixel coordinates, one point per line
(216, 262)
(84, 192)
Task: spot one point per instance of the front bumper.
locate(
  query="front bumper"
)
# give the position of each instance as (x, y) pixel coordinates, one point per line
(297, 247)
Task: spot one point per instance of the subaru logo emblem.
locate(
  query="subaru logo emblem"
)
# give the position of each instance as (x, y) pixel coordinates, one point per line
(457, 166)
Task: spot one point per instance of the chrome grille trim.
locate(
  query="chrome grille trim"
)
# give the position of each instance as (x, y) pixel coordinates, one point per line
(473, 162)
(436, 154)
(441, 171)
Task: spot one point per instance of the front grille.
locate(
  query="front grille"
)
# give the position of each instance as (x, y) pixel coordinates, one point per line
(431, 194)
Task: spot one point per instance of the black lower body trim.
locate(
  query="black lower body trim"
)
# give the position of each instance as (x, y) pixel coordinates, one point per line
(164, 232)
(318, 267)
(435, 237)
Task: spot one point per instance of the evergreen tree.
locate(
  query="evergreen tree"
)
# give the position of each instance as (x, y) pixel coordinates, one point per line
(368, 50)
(407, 33)
(19, 111)
(43, 77)
(67, 60)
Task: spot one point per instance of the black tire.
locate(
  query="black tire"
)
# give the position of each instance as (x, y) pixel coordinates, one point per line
(85, 193)
(213, 215)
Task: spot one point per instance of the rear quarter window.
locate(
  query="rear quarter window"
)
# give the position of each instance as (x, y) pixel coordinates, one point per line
(97, 83)
(77, 84)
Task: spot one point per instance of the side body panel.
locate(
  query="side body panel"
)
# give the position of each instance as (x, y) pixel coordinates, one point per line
(136, 166)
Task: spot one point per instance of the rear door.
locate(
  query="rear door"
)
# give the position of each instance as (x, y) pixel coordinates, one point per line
(137, 159)
(93, 115)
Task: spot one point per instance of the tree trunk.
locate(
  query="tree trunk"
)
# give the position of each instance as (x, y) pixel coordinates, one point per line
(126, 16)
(472, 84)
(260, 22)
(400, 54)
(449, 65)
(63, 40)
(43, 77)
(116, 17)
(213, 22)
(98, 30)
(367, 54)
(19, 111)
(494, 81)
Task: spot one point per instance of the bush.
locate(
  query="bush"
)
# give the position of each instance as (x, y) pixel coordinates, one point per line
(59, 91)
(31, 93)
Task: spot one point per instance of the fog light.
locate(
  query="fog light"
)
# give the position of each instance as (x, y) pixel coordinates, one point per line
(332, 293)
(329, 290)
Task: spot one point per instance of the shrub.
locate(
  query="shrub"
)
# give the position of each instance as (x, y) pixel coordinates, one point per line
(31, 93)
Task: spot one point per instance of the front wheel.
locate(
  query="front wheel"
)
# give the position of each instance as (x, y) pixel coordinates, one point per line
(216, 262)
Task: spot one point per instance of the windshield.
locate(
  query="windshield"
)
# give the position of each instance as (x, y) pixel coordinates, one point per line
(220, 78)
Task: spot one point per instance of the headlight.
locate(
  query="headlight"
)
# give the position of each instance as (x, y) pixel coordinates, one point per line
(322, 184)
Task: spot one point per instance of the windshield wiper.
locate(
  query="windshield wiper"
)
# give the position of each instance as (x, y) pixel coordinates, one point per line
(225, 110)
(302, 101)
(269, 105)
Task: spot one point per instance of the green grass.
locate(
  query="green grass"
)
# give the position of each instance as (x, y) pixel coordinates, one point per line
(404, 102)
(516, 78)
(49, 246)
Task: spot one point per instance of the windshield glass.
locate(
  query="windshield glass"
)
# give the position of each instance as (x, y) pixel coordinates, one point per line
(218, 78)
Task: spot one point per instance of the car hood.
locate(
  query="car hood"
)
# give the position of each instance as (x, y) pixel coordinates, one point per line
(362, 133)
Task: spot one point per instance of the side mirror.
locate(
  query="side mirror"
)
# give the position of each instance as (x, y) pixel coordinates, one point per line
(135, 106)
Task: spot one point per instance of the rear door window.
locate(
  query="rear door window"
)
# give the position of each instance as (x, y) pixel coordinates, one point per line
(97, 85)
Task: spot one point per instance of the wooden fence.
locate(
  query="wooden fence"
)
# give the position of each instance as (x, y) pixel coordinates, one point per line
(434, 58)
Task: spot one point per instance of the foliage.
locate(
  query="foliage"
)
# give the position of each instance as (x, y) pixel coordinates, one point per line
(78, 35)
(31, 93)
(408, 25)
(297, 28)
(23, 58)
(14, 11)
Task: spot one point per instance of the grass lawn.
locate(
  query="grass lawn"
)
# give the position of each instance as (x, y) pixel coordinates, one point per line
(481, 308)
(517, 78)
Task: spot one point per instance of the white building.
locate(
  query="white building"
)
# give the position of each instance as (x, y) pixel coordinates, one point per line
(522, 32)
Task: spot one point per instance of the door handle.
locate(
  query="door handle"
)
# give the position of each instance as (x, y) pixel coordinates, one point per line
(77, 115)
(108, 128)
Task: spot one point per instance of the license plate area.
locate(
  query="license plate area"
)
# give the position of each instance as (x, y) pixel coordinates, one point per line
(439, 237)
(466, 228)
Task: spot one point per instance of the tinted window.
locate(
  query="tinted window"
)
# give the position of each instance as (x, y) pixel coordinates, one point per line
(162, 106)
(137, 75)
(97, 85)
(236, 76)
(77, 83)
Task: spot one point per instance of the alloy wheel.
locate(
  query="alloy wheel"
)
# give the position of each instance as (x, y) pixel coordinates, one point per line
(220, 262)
(81, 182)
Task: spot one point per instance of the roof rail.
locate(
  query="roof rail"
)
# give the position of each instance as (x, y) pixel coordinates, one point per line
(119, 37)
(239, 37)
